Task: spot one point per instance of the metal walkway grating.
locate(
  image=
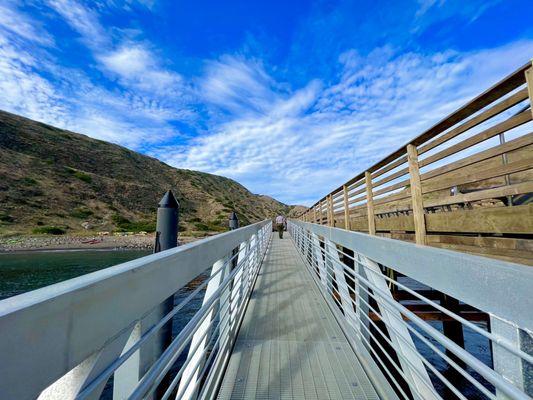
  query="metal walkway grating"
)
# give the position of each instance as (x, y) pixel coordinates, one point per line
(290, 345)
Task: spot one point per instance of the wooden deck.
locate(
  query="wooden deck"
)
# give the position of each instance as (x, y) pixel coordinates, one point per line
(289, 345)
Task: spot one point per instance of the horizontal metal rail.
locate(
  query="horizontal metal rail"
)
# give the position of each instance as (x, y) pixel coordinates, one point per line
(70, 338)
(417, 358)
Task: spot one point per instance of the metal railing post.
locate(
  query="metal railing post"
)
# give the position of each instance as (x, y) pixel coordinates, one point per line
(71, 384)
(200, 338)
(319, 260)
(345, 298)
(414, 369)
(130, 373)
(513, 368)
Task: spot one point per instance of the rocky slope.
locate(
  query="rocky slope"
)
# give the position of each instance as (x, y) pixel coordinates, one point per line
(56, 181)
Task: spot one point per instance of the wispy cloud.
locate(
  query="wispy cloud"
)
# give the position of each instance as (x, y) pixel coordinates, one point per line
(35, 84)
(133, 62)
(13, 21)
(137, 66)
(83, 20)
(300, 144)
(238, 115)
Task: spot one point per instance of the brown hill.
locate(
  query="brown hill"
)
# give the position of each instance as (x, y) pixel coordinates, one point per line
(51, 177)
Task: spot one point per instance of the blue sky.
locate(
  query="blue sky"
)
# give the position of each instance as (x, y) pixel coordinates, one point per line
(289, 98)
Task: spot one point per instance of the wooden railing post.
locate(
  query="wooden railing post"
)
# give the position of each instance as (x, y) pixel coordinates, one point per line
(416, 195)
(346, 208)
(370, 204)
(529, 81)
(331, 215)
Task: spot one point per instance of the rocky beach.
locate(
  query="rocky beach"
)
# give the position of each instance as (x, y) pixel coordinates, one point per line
(96, 242)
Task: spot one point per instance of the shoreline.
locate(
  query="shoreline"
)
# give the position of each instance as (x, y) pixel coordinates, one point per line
(32, 244)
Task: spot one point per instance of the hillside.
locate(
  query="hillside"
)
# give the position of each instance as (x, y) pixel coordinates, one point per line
(50, 177)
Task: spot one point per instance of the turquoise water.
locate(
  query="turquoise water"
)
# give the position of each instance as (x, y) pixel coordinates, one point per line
(22, 272)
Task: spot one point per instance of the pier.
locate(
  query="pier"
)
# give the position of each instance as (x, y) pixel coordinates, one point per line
(370, 295)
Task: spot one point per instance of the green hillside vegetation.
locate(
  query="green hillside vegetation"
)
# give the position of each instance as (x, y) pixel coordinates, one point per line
(54, 181)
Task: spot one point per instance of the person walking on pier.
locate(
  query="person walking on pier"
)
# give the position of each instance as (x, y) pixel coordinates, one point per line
(280, 225)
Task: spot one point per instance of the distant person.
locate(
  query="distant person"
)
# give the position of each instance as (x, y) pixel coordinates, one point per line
(280, 225)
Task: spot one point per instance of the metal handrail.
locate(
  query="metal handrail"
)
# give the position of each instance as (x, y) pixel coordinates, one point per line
(354, 292)
(72, 336)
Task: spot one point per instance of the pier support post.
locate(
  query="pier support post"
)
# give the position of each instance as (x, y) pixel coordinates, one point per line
(129, 374)
(233, 221)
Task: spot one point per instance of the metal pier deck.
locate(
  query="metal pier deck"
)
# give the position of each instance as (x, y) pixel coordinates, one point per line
(289, 345)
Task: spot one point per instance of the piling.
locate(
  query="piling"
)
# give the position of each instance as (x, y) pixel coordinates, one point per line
(233, 223)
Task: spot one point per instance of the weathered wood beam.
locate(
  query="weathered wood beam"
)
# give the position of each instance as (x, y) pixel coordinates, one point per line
(416, 195)
(370, 204)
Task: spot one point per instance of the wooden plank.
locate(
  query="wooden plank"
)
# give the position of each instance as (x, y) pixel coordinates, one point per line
(501, 88)
(501, 170)
(416, 195)
(391, 166)
(471, 123)
(331, 217)
(397, 174)
(404, 194)
(524, 246)
(510, 220)
(404, 223)
(495, 130)
(355, 185)
(529, 81)
(346, 208)
(359, 224)
(514, 189)
(370, 204)
(359, 191)
(514, 144)
(328, 223)
(501, 254)
(357, 199)
(399, 206)
(390, 188)
(490, 95)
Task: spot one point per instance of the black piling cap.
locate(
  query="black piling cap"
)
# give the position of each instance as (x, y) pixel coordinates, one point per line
(233, 220)
(169, 201)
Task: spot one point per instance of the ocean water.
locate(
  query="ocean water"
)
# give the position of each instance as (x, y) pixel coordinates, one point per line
(25, 271)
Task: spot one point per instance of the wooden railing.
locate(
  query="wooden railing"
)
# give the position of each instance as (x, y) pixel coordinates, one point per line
(464, 184)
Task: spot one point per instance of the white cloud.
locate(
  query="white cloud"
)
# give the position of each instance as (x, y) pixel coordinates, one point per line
(127, 61)
(294, 144)
(23, 90)
(83, 20)
(16, 23)
(237, 85)
(298, 145)
(137, 66)
(35, 85)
